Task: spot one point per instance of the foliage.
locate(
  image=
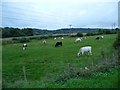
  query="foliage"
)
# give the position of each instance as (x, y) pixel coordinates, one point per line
(16, 32)
(107, 31)
(91, 34)
(21, 40)
(27, 32)
(96, 80)
(24, 40)
(6, 42)
(104, 65)
(116, 44)
(79, 35)
(44, 37)
(103, 31)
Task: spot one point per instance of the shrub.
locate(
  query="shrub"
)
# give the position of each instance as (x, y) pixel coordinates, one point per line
(5, 42)
(79, 35)
(21, 40)
(44, 37)
(90, 34)
(14, 38)
(108, 32)
(72, 35)
(116, 44)
(104, 31)
(103, 65)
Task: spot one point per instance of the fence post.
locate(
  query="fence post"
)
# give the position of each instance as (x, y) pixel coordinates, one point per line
(24, 72)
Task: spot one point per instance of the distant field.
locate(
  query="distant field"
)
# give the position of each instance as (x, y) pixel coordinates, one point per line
(45, 62)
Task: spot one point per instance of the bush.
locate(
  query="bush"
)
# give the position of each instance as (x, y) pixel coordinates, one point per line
(21, 40)
(14, 39)
(79, 35)
(72, 35)
(90, 34)
(116, 44)
(108, 32)
(103, 65)
(5, 42)
(44, 37)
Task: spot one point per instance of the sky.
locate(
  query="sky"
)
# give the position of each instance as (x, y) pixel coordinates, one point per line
(56, 14)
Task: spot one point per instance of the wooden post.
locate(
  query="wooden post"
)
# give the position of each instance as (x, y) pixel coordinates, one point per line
(92, 63)
(102, 54)
(24, 72)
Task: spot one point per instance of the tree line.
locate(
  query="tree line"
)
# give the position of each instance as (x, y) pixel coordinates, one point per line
(16, 32)
(98, 32)
(104, 31)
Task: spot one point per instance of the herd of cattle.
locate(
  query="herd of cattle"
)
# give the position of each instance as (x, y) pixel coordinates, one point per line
(82, 50)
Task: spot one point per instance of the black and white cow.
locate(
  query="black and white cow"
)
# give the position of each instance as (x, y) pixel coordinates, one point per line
(24, 46)
(99, 37)
(44, 41)
(58, 44)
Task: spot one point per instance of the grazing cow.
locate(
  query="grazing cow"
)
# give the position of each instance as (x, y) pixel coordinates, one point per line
(58, 44)
(86, 68)
(78, 40)
(62, 37)
(44, 41)
(85, 49)
(24, 46)
(102, 37)
(99, 37)
(55, 38)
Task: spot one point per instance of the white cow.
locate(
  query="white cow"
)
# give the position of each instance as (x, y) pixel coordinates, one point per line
(102, 37)
(85, 49)
(54, 38)
(44, 41)
(78, 40)
(62, 37)
(24, 46)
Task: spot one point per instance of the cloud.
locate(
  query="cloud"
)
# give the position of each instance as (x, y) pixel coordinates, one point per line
(59, 13)
(60, 1)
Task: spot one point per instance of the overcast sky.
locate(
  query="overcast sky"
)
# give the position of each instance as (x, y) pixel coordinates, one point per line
(55, 14)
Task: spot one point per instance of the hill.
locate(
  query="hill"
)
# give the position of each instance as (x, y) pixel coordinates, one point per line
(17, 32)
(65, 31)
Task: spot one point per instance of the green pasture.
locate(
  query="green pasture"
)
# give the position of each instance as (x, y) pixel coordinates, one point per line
(45, 62)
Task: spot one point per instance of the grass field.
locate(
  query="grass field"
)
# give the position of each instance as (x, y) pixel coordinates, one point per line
(44, 63)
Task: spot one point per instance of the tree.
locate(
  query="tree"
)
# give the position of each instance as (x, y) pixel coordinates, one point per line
(6, 33)
(104, 31)
(108, 32)
(16, 32)
(79, 35)
(27, 32)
